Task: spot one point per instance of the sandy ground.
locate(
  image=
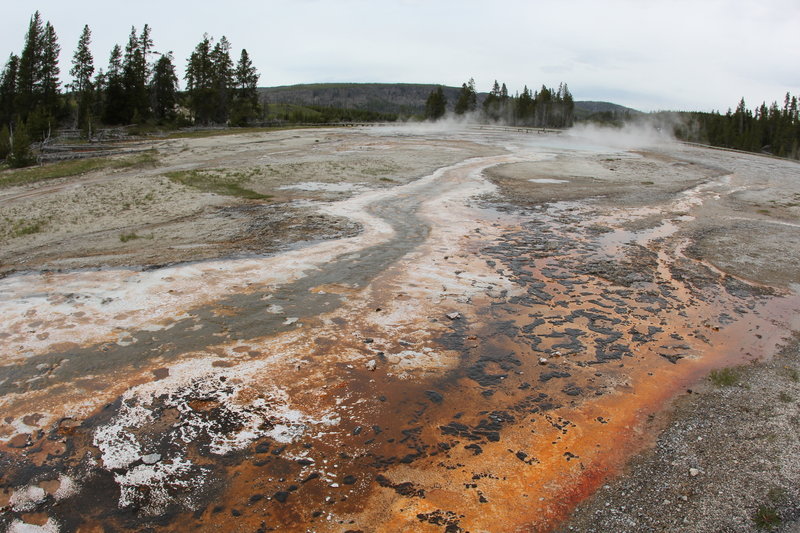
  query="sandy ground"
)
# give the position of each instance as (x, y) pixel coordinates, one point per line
(424, 329)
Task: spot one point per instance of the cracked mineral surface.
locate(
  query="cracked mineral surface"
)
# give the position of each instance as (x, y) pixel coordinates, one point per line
(420, 330)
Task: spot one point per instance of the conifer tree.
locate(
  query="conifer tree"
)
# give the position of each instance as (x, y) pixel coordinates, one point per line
(436, 104)
(82, 70)
(164, 88)
(133, 79)
(199, 76)
(222, 80)
(21, 154)
(82, 63)
(245, 105)
(5, 142)
(114, 110)
(37, 100)
(467, 98)
(30, 67)
(525, 108)
(50, 83)
(8, 89)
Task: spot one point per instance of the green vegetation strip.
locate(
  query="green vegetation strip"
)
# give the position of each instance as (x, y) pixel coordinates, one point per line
(63, 169)
(224, 182)
(201, 134)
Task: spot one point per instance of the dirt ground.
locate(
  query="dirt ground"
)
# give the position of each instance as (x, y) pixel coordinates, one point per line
(404, 328)
(86, 222)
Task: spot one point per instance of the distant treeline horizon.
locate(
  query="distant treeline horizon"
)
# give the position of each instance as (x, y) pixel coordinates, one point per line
(139, 88)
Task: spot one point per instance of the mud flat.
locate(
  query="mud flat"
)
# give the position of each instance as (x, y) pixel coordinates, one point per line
(403, 329)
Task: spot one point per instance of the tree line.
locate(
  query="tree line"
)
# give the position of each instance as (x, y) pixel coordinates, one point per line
(545, 108)
(138, 86)
(773, 129)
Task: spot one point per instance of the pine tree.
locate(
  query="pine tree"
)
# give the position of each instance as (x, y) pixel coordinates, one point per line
(82, 63)
(114, 110)
(436, 104)
(21, 154)
(82, 70)
(199, 81)
(245, 105)
(492, 103)
(133, 78)
(164, 88)
(222, 80)
(38, 99)
(569, 107)
(5, 142)
(8, 89)
(467, 98)
(50, 82)
(543, 100)
(30, 68)
(525, 108)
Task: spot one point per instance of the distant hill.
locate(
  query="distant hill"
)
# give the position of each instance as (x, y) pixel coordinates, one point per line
(586, 108)
(401, 98)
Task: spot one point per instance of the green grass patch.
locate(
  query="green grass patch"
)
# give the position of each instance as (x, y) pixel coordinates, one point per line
(724, 377)
(28, 228)
(125, 237)
(785, 397)
(223, 182)
(76, 167)
(766, 517)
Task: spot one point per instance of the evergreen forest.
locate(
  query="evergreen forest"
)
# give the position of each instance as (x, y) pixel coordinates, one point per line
(773, 129)
(545, 108)
(138, 86)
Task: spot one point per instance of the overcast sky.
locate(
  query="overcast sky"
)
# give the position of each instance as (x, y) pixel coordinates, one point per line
(649, 55)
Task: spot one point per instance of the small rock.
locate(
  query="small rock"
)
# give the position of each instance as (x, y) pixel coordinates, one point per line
(372, 365)
(694, 472)
(23, 440)
(542, 361)
(434, 396)
(454, 315)
(151, 459)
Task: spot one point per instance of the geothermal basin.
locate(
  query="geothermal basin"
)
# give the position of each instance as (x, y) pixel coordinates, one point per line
(405, 329)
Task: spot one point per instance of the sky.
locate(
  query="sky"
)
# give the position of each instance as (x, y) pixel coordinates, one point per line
(694, 55)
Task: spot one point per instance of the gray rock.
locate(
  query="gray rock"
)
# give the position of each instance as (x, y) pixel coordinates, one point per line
(151, 459)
